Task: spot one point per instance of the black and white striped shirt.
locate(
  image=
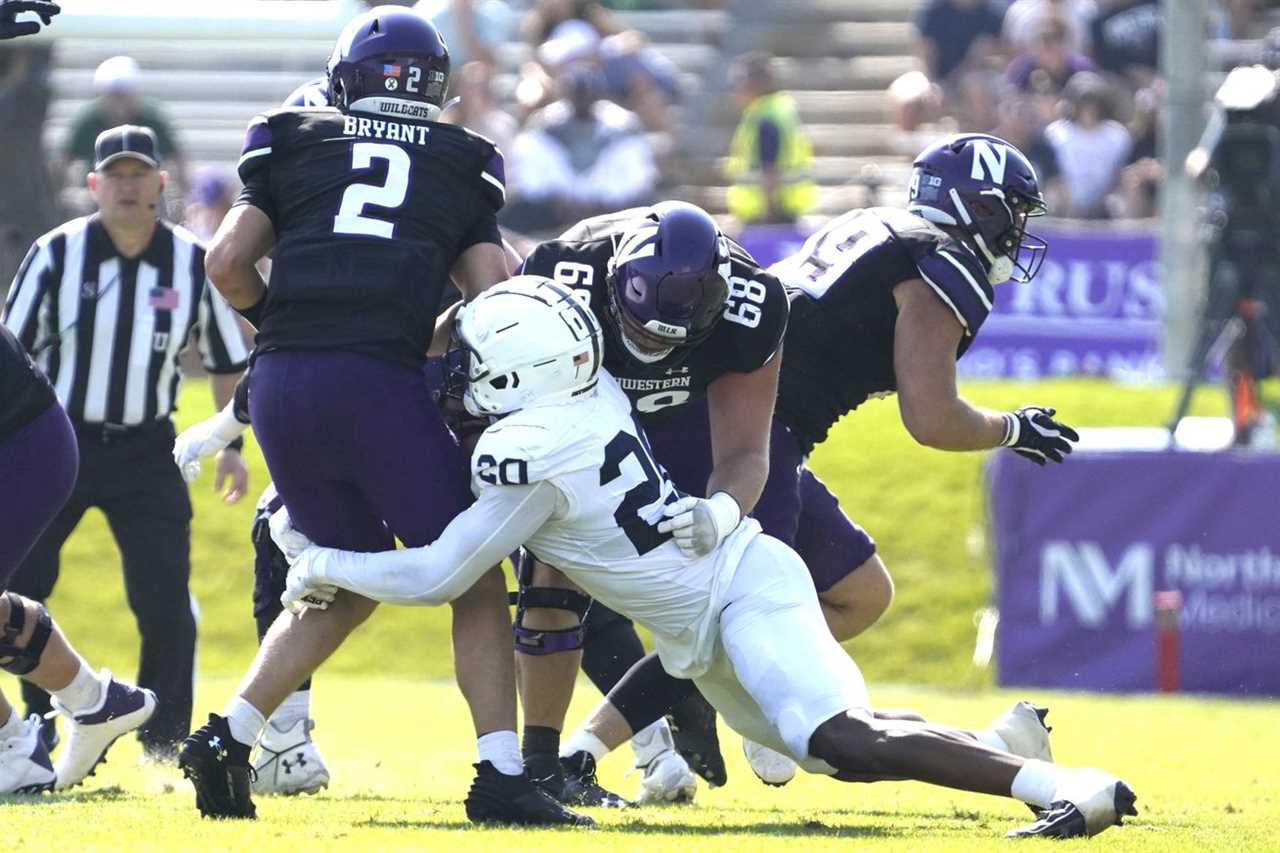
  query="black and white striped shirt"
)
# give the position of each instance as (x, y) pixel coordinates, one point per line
(107, 330)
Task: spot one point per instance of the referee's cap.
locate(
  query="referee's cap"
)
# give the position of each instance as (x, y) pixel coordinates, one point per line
(127, 140)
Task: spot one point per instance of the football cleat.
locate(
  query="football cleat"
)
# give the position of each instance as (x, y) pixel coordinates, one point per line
(25, 767)
(581, 788)
(120, 709)
(1024, 731)
(218, 767)
(289, 762)
(667, 779)
(547, 773)
(694, 727)
(1087, 802)
(770, 766)
(496, 797)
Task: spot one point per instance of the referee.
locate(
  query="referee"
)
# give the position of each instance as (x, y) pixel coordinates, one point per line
(105, 304)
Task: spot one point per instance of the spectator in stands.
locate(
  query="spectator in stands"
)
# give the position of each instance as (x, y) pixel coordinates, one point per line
(572, 42)
(473, 29)
(116, 83)
(1137, 193)
(542, 20)
(1125, 38)
(1019, 122)
(953, 36)
(212, 193)
(770, 155)
(1091, 146)
(1050, 63)
(477, 110)
(580, 156)
(1026, 18)
(640, 78)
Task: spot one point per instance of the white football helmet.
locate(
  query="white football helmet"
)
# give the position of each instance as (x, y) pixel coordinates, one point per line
(526, 341)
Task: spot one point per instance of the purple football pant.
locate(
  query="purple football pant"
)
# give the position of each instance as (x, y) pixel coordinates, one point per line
(357, 449)
(795, 505)
(38, 467)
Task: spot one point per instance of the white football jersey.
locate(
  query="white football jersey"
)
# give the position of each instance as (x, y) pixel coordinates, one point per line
(603, 532)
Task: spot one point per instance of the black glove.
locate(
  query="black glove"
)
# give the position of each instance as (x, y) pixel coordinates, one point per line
(10, 9)
(1033, 434)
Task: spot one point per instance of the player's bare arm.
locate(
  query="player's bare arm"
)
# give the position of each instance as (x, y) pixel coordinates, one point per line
(924, 359)
(741, 411)
(244, 237)
(479, 268)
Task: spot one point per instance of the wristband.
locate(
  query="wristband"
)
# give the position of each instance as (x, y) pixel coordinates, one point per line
(236, 444)
(1012, 430)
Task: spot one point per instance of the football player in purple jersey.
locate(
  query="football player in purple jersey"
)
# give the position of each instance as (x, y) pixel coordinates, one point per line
(371, 206)
(883, 301)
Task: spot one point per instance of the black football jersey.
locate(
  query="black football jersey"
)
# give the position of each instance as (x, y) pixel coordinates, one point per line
(839, 344)
(24, 391)
(370, 215)
(747, 336)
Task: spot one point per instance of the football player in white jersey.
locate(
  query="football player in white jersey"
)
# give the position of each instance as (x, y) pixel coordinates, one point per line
(567, 472)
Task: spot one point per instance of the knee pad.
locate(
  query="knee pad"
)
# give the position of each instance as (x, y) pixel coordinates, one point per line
(533, 641)
(21, 660)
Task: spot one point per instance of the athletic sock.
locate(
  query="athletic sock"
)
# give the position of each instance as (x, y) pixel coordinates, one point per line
(10, 726)
(84, 691)
(296, 706)
(1036, 783)
(540, 740)
(652, 741)
(245, 721)
(584, 741)
(502, 750)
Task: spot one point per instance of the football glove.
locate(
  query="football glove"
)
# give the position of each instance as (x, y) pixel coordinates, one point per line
(10, 9)
(1032, 433)
(700, 524)
(205, 439)
(301, 591)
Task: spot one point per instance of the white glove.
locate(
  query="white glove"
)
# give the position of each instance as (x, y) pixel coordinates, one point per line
(289, 539)
(205, 439)
(698, 525)
(302, 590)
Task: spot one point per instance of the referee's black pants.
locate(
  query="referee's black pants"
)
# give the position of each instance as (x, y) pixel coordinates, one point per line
(132, 478)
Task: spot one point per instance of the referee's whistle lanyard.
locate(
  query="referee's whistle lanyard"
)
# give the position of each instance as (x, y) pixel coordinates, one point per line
(55, 338)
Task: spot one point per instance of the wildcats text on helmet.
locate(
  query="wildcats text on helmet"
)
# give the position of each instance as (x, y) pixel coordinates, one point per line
(392, 130)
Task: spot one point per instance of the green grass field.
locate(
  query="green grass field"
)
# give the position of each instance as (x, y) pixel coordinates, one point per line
(396, 732)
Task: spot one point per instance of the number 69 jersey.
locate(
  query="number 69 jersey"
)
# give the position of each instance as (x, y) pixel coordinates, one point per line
(746, 338)
(370, 214)
(609, 498)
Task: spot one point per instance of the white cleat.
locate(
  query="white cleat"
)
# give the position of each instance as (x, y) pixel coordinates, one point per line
(667, 779)
(1086, 802)
(25, 767)
(289, 762)
(121, 709)
(770, 766)
(1024, 731)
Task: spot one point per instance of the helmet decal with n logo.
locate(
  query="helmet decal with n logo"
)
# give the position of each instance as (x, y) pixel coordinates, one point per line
(988, 161)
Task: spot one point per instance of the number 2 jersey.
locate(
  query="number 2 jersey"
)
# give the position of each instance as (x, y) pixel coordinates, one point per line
(840, 340)
(370, 215)
(744, 340)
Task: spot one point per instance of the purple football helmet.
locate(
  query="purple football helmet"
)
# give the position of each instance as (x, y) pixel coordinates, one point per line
(986, 188)
(390, 61)
(313, 93)
(668, 279)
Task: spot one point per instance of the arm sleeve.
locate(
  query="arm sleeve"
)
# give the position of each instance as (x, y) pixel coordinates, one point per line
(494, 178)
(222, 346)
(26, 293)
(254, 167)
(495, 525)
(485, 230)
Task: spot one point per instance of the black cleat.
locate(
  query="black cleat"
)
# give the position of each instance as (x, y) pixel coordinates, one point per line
(496, 797)
(545, 771)
(1064, 819)
(581, 788)
(218, 766)
(693, 725)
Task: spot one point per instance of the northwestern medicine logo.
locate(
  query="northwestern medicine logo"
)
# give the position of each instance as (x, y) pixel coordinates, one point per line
(1232, 591)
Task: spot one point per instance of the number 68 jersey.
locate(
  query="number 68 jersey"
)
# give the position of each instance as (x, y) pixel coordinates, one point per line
(609, 496)
(746, 338)
(370, 214)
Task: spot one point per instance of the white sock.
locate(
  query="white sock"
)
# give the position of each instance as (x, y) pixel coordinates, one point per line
(581, 741)
(296, 706)
(651, 741)
(988, 737)
(84, 691)
(1036, 782)
(502, 750)
(245, 721)
(10, 726)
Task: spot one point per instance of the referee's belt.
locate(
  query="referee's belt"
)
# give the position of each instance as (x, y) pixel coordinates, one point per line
(109, 433)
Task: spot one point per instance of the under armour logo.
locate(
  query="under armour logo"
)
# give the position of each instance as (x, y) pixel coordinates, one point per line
(215, 742)
(288, 766)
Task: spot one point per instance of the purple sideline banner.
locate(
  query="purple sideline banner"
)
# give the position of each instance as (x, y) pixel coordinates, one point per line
(1095, 309)
(1082, 548)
